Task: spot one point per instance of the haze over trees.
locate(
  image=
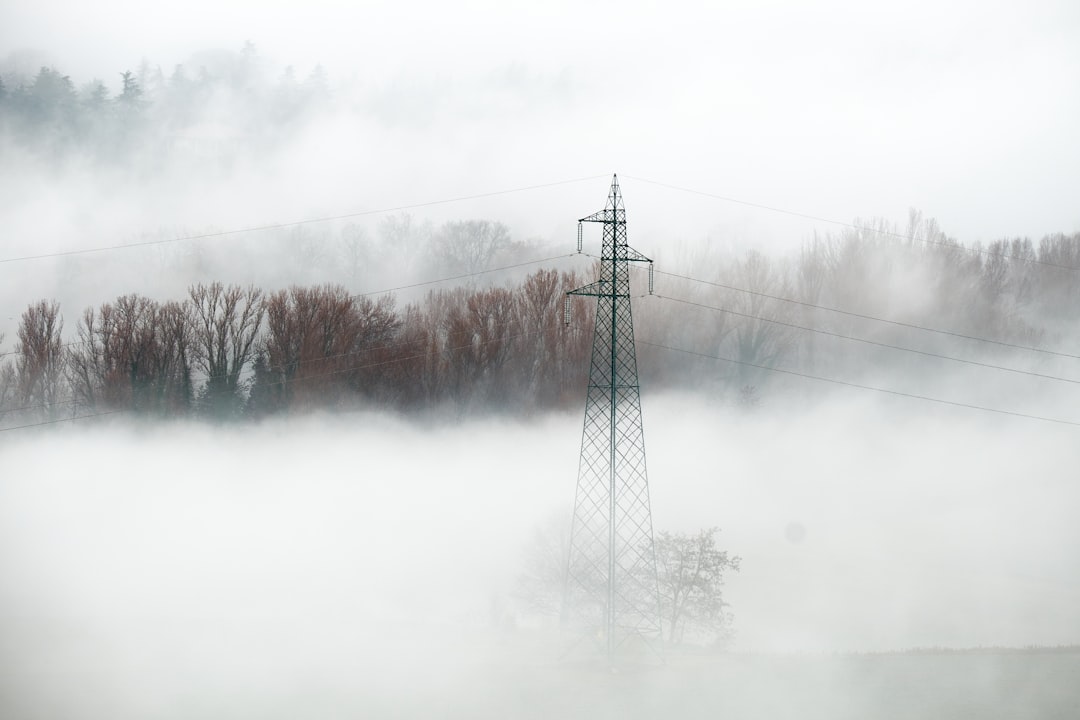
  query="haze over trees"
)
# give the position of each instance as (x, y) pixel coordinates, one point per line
(283, 320)
(231, 351)
(223, 104)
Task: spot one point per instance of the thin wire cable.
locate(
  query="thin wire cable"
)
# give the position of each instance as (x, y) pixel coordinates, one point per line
(862, 316)
(61, 420)
(289, 381)
(390, 290)
(869, 342)
(393, 361)
(295, 223)
(467, 275)
(42, 406)
(846, 383)
(818, 218)
(338, 356)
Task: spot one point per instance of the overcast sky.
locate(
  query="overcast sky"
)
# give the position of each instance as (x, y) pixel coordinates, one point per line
(967, 111)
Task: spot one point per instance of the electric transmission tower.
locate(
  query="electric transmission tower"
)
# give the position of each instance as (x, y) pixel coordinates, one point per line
(611, 594)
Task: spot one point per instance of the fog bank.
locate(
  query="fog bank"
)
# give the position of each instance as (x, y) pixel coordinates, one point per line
(365, 561)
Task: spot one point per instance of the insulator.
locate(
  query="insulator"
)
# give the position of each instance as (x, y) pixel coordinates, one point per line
(566, 310)
(650, 278)
(579, 225)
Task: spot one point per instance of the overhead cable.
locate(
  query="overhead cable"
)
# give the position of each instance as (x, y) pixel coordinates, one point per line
(863, 316)
(869, 342)
(846, 383)
(861, 228)
(295, 223)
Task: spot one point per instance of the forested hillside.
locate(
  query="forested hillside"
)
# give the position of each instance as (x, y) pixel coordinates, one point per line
(223, 106)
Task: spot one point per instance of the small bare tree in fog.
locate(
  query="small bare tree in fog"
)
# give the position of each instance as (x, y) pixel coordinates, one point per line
(355, 252)
(757, 341)
(226, 323)
(40, 363)
(470, 245)
(811, 274)
(402, 238)
(690, 573)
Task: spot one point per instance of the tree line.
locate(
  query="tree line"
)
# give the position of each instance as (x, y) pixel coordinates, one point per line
(228, 351)
(844, 304)
(237, 351)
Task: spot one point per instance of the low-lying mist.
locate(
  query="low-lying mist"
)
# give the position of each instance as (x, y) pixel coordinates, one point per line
(364, 563)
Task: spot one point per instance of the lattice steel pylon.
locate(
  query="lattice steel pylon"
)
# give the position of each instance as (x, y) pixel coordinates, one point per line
(611, 594)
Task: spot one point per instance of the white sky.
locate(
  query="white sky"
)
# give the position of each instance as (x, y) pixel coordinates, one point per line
(967, 111)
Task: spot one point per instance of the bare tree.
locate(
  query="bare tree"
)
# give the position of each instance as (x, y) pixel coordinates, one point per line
(690, 572)
(409, 370)
(374, 343)
(355, 252)
(759, 342)
(176, 343)
(317, 344)
(39, 367)
(7, 379)
(539, 308)
(225, 325)
(690, 575)
(402, 239)
(470, 245)
(133, 354)
(7, 384)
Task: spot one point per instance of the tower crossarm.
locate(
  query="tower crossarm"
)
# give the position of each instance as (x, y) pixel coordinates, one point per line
(607, 215)
(632, 255)
(600, 288)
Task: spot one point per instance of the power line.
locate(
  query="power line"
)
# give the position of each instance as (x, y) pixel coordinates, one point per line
(393, 289)
(68, 419)
(290, 381)
(467, 275)
(337, 356)
(845, 383)
(307, 221)
(887, 233)
(862, 316)
(871, 342)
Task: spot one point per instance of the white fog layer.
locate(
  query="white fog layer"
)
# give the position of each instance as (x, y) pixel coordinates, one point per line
(156, 572)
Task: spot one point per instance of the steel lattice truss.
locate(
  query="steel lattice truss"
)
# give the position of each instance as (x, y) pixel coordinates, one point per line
(611, 590)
